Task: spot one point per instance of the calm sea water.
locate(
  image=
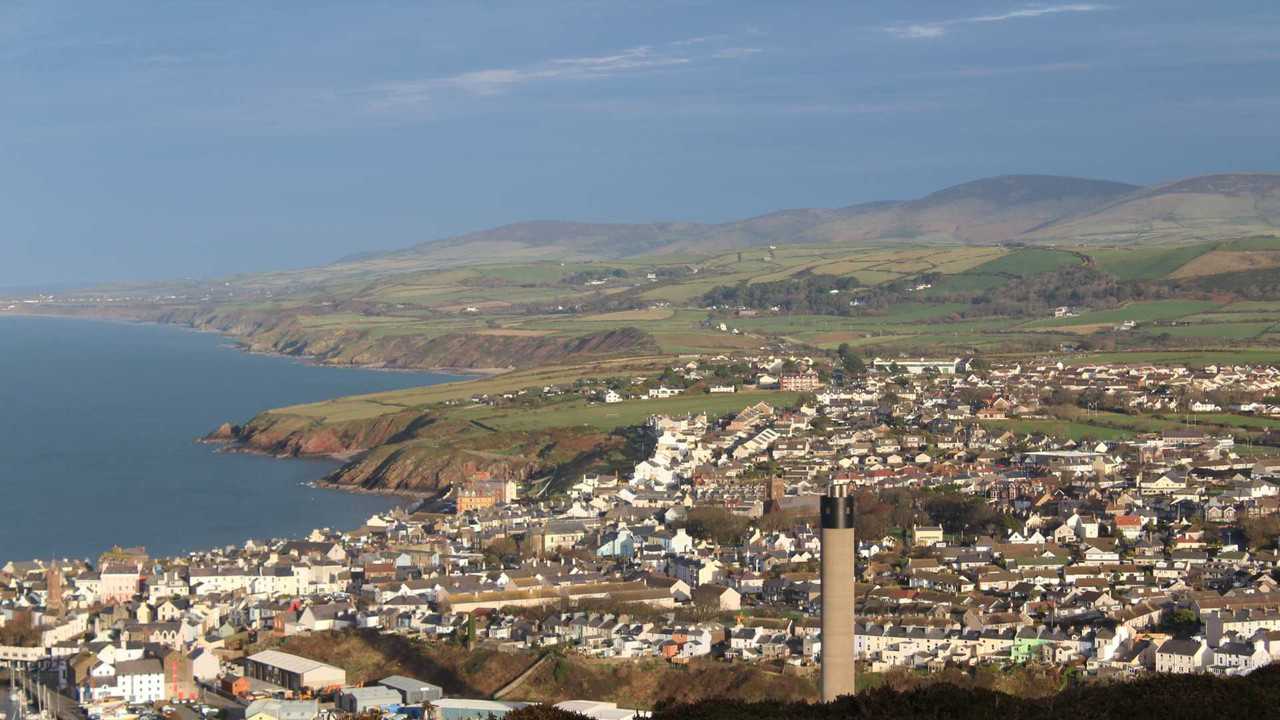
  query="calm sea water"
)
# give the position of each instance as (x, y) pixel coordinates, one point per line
(97, 422)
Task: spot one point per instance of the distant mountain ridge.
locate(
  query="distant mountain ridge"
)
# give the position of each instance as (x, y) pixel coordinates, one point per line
(1007, 208)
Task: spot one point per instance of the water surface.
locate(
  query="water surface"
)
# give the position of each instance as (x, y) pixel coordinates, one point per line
(97, 421)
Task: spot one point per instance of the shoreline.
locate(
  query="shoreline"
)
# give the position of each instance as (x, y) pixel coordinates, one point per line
(236, 343)
(397, 493)
(314, 478)
(237, 447)
(462, 375)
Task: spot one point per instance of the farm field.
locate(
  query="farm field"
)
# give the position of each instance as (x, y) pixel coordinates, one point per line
(362, 407)
(1189, 357)
(1138, 312)
(1146, 263)
(1028, 261)
(533, 306)
(602, 416)
(684, 343)
(1225, 331)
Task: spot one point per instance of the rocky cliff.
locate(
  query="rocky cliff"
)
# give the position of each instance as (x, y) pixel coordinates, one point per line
(417, 452)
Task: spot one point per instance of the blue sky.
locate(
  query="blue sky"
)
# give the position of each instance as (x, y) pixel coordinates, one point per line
(143, 140)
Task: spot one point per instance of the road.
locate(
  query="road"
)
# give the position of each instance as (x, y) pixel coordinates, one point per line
(231, 709)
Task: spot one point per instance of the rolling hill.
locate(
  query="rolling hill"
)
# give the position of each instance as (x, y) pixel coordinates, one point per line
(1210, 207)
(1022, 208)
(981, 211)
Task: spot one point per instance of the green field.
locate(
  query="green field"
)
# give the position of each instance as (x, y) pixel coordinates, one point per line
(1058, 428)
(1225, 331)
(1260, 242)
(1189, 357)
(1146, 263)
(1230, 420)
(1138, 312)
(601, 416)
(1028, 261)
(362, 407)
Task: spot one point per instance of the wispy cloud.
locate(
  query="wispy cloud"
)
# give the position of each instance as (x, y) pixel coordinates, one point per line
(916, 32)
(939, 28)
(736, 53)
(496, 81)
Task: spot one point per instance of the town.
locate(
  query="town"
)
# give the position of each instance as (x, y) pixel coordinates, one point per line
(1108, 519)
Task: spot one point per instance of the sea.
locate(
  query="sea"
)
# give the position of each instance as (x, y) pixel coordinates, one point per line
(98, 423)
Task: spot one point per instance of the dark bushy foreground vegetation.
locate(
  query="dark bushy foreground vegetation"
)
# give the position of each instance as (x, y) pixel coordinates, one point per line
(1165, 697)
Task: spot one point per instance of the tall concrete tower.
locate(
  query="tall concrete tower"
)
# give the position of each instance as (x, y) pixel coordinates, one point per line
(837, 592)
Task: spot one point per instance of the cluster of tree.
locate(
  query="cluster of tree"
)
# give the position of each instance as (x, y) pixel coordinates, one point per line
(1261, 532)
(1182, 622)
(717, 524)
(1078, 286)
(586, 276)
(1158, 697)
(882, 512)
(734, 370)
(672, 272)
(804, 293)
(1263, 284)
(960, 513)
(850, 363)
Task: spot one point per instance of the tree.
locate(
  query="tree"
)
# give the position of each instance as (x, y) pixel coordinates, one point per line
(852, 364)
(718, 524)
(500, 551)
(963, 514)
(1262, 532)
(1183, 622)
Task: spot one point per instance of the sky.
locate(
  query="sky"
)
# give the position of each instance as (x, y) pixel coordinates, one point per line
(152, 140)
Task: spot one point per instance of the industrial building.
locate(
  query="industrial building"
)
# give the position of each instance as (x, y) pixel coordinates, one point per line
(272, 709)
(356, 700)
(468, 709)
(292, 672)
(412, 692)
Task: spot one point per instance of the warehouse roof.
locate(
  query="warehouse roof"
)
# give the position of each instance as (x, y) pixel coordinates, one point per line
(289, 663)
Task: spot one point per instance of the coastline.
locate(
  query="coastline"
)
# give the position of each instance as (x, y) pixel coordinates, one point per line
(227, 445)
(311, 478)
(237, 343)
(385, 492)
(237, 447)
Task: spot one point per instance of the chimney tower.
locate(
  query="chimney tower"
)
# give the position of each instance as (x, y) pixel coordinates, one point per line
(837, 592)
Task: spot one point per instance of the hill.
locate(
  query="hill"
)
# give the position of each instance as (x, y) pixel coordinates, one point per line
(987, 210)
(1020, 209)
(1007, 208)
(990, 210)
(1211, 207)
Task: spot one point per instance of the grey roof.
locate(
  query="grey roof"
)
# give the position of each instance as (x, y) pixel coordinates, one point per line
(372, 693)
(284, 709)
(1180, 646)
(287, 662)
(407, 684)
